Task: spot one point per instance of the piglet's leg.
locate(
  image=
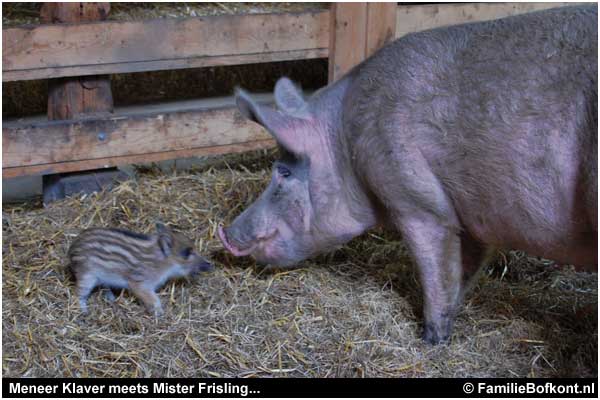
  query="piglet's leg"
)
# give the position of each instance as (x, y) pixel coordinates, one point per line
(109, 295)
(437, 252)
(85, 285)
(148, 297)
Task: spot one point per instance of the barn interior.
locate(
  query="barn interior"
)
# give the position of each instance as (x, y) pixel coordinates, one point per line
(354, 312)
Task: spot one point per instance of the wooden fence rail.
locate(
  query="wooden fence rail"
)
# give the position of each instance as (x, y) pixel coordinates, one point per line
(131, 135)
(51, 51)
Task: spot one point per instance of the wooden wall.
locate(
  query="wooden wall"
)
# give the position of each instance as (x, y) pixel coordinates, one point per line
(347, 33)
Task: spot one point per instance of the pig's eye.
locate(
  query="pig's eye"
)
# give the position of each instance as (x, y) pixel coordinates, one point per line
(186, 253)
(283, 171)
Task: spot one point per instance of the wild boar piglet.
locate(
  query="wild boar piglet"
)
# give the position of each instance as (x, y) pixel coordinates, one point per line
(120, 259)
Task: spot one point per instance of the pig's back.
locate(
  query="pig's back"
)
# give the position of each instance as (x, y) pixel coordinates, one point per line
(505, 112)
(464, 71)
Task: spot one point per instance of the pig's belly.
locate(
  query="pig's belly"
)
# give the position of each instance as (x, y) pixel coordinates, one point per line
(549, 219)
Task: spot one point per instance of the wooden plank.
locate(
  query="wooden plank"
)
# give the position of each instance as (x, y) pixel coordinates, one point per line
(115, 47)
(413, 18)
(70, 166)
(194, 62)
(347, 44)
(381, 25)
(55, 142)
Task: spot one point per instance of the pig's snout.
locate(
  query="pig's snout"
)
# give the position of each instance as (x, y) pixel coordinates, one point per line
(231, 247)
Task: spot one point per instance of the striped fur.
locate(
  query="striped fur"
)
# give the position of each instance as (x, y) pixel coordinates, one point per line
(120, 259)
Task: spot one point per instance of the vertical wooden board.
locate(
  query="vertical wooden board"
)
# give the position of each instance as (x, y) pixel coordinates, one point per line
(97, 95)
(70, 98)
(78, 97)
(54, 13)
(347, 37)
(381, 25)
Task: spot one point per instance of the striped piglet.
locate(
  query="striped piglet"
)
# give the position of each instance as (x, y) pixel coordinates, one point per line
(120, 259)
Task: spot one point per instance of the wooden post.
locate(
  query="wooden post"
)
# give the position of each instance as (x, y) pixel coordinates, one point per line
(357, 30)
(72, 98)
(381, 25)
(347, 37)
(76, 98)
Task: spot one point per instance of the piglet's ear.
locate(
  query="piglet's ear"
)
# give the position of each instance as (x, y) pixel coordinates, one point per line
(289, 132)
(165, 239)
(288, 97)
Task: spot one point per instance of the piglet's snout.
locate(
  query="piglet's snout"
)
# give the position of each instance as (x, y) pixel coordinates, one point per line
(206, 266)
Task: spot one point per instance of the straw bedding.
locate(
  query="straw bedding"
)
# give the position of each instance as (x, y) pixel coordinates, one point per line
(354, 312)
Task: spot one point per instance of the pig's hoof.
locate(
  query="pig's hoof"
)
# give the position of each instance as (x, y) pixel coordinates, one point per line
(433, 335)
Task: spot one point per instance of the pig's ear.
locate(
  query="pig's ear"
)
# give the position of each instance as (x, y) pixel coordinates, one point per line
(281, 126)
(288, 97)
(165, 239)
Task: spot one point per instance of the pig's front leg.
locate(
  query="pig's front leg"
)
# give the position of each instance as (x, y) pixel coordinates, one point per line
(436, 250)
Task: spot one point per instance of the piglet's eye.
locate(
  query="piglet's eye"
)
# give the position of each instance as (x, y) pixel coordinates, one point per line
(283, 171)
(186, 253)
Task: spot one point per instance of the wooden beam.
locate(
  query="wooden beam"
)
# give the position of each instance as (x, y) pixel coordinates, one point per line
(60, 141)
(381, 25)
(348, 34)
(77, 97)
(414, 18)
(194, 62)
(59, 13)
(357, 31)
(50, 51)
(58, 146)
(70, 166)
(68, 98)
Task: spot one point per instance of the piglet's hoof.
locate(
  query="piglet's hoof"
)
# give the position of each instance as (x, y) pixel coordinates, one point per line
(157, 312)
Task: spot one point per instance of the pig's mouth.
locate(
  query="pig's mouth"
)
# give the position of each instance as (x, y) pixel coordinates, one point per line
(231, 247)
